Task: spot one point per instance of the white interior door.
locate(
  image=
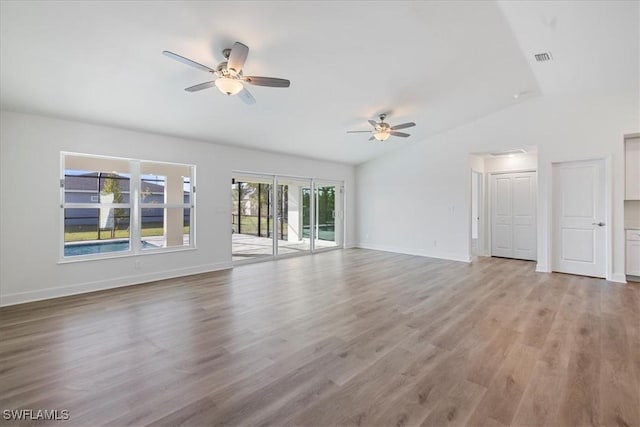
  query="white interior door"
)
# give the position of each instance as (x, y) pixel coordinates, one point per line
(513, 215)
(524, 216)
(579, 238)
(502, 217)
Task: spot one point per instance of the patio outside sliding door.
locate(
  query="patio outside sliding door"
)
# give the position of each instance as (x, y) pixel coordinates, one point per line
(251, 217)
(328, 224)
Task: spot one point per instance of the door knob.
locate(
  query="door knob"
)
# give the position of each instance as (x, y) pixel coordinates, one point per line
(599, 224)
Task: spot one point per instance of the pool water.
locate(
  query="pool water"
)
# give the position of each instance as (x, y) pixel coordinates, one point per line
(99, 247)
(325, 232)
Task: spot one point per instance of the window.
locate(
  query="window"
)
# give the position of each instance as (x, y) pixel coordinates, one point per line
(119, 206)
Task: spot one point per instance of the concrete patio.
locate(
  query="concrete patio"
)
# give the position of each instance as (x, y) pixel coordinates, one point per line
(246, 246)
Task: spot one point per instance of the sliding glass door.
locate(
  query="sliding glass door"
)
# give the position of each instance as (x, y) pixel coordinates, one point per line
(328, 228)
(251, 217)
(294, 220)
(280, 216)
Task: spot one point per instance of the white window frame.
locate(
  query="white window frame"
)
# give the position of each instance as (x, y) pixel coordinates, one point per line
(135, 207)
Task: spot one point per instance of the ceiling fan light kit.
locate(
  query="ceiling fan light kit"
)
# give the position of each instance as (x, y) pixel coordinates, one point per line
(228, 74)
(382, 135)
(228, 86)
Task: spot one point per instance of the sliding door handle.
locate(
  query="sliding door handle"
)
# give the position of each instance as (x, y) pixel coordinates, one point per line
(599, 224)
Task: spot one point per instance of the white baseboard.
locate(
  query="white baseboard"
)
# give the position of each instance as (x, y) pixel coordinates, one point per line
(100, 285)
(618, 278)
(447, 256)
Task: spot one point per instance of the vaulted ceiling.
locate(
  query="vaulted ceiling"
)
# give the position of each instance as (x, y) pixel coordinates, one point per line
(439, 64)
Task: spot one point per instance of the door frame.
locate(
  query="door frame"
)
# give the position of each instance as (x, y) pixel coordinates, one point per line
(274, 223)
(608, 213)
(489, 200)
(481, 250)
(341, 215)
(258, 176)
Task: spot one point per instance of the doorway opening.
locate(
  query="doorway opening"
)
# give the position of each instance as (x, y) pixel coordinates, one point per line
(503, 206)
(477, 191)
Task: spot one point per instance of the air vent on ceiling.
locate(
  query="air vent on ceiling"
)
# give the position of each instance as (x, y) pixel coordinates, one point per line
(509, 152)
(542, 57)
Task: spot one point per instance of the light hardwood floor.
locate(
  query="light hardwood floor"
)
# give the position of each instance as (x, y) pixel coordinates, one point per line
(351, 337)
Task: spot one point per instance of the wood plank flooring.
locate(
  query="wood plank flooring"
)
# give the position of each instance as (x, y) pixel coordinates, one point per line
(353, 337)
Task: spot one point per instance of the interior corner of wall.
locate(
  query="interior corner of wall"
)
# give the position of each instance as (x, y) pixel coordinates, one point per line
(618, 278)
(542, 268)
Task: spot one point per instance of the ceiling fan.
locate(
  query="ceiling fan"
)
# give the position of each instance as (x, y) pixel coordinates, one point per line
(228, 74)
(382, 131)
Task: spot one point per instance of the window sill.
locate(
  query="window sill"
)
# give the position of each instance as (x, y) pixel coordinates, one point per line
(124, 254)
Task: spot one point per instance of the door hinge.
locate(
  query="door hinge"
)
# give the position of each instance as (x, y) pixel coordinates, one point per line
(194, 189)
(62, 183)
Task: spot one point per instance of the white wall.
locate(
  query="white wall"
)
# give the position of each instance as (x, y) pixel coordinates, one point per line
(477, 163)
(519, 162)
(416, 200)
(29, 216)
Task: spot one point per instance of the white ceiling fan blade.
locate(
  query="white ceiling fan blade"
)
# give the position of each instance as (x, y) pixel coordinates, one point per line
(267, 81)
(373, 123)
(246, 96)
(237, 58)
(400, 134)
(358, 131)
(403, 126)
(201, 86)
(187, 61)
(372, 138)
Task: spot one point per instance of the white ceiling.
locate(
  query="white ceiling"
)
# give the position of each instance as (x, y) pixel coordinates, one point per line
(595, 44)
(439, 64)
